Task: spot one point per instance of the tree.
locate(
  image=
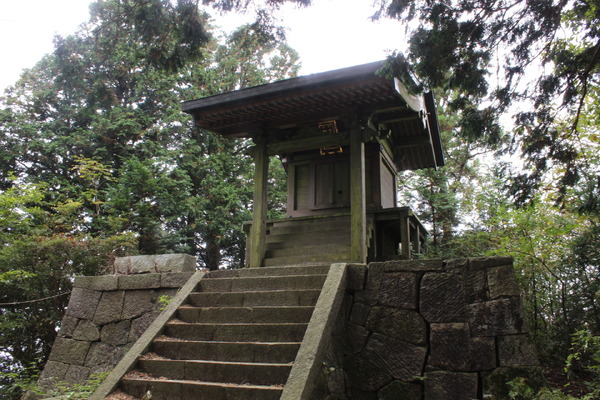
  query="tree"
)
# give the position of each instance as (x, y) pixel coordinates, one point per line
(109, 96)
(101, 162)
(36, 269)
(460, 44)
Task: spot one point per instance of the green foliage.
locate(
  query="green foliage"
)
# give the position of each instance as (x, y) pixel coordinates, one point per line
(164, 301)
(63, 389)
(585, 356)
(98, 161)
(36, 270)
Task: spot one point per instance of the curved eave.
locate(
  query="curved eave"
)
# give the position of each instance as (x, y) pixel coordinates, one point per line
(339, 94)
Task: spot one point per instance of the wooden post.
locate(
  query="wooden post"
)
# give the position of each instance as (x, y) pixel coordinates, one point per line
(358, 207)
(405, 235)
(258, 230)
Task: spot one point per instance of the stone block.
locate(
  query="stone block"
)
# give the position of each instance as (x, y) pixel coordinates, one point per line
(174, 279)
(175, 262)
(357, 274)
(478, 263)
(450, 385)
(442, 298)
(453, 349)
(475, 285)
(335, 379)
(136, 282)
(67, 326)
(357, 394)
(109, 308)
(374, 275)
(456, 264)
(434, 264)
(102, 356)
(398, 390)
(496, 317)
(83, 303)
(86, 330)
(401, 360)
(355, 338)
(364, 375)
(160, 263)
(502, 281)
(495, 383)
(69, 351)
(54, 371)
(101, 282)
(516, 350)
(139, 325)
(399, 289)
(116, 333)
(450, 346)
(77, 374)
(405, 325)
(369, 297)
(359, 313)
(483, 354)
(137, 302)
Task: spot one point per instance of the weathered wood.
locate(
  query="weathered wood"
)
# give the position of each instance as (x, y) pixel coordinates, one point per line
(358, 207)
(405, 237)
(313, 142)
(258, 230)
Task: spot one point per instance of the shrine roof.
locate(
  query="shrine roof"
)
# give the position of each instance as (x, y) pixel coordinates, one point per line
(349, 92)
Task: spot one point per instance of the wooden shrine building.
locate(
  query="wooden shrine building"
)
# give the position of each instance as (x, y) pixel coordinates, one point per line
(342, 137)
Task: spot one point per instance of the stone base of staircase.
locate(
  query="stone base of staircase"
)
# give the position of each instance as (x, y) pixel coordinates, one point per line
(236, 337)
(421, 329)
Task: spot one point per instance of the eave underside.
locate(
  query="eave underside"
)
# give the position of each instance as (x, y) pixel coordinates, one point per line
(356, 95)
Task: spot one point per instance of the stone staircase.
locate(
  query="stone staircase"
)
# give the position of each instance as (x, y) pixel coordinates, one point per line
(308, 240)
(236, 337)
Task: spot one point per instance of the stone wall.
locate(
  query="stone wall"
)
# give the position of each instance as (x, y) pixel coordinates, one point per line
(431, 330)
(106, 314)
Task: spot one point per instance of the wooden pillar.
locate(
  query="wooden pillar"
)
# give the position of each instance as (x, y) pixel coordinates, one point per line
(405, 235)
(258, 230)
(358, 206)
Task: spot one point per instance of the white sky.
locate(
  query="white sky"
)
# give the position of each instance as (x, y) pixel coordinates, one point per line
(328, 35)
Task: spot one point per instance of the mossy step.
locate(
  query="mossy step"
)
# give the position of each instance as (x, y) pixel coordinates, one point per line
(258, 314)
(306, 259)
(315, 225)
(218, 371)
(308, 238)
(187, 390)
(318, 249)
(262, 283)
(316, 268)
(274, 352)
(258, 298)
(237, 332)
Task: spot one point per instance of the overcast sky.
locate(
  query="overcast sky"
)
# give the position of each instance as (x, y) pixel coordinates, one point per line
(332, 34)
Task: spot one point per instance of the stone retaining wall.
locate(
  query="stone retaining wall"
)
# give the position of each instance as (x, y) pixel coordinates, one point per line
(106, 314)
(418, 330)
(431, 330)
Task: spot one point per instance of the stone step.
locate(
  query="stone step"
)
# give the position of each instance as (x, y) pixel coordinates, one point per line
(237, 332)
(259, 314)
(261, 283)
(309, 225)
(218, 371)
(187, 390)
(341, 236)
(275, 352)
(316, 269)
(305, 259)
(258, 298)
(287, 251)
